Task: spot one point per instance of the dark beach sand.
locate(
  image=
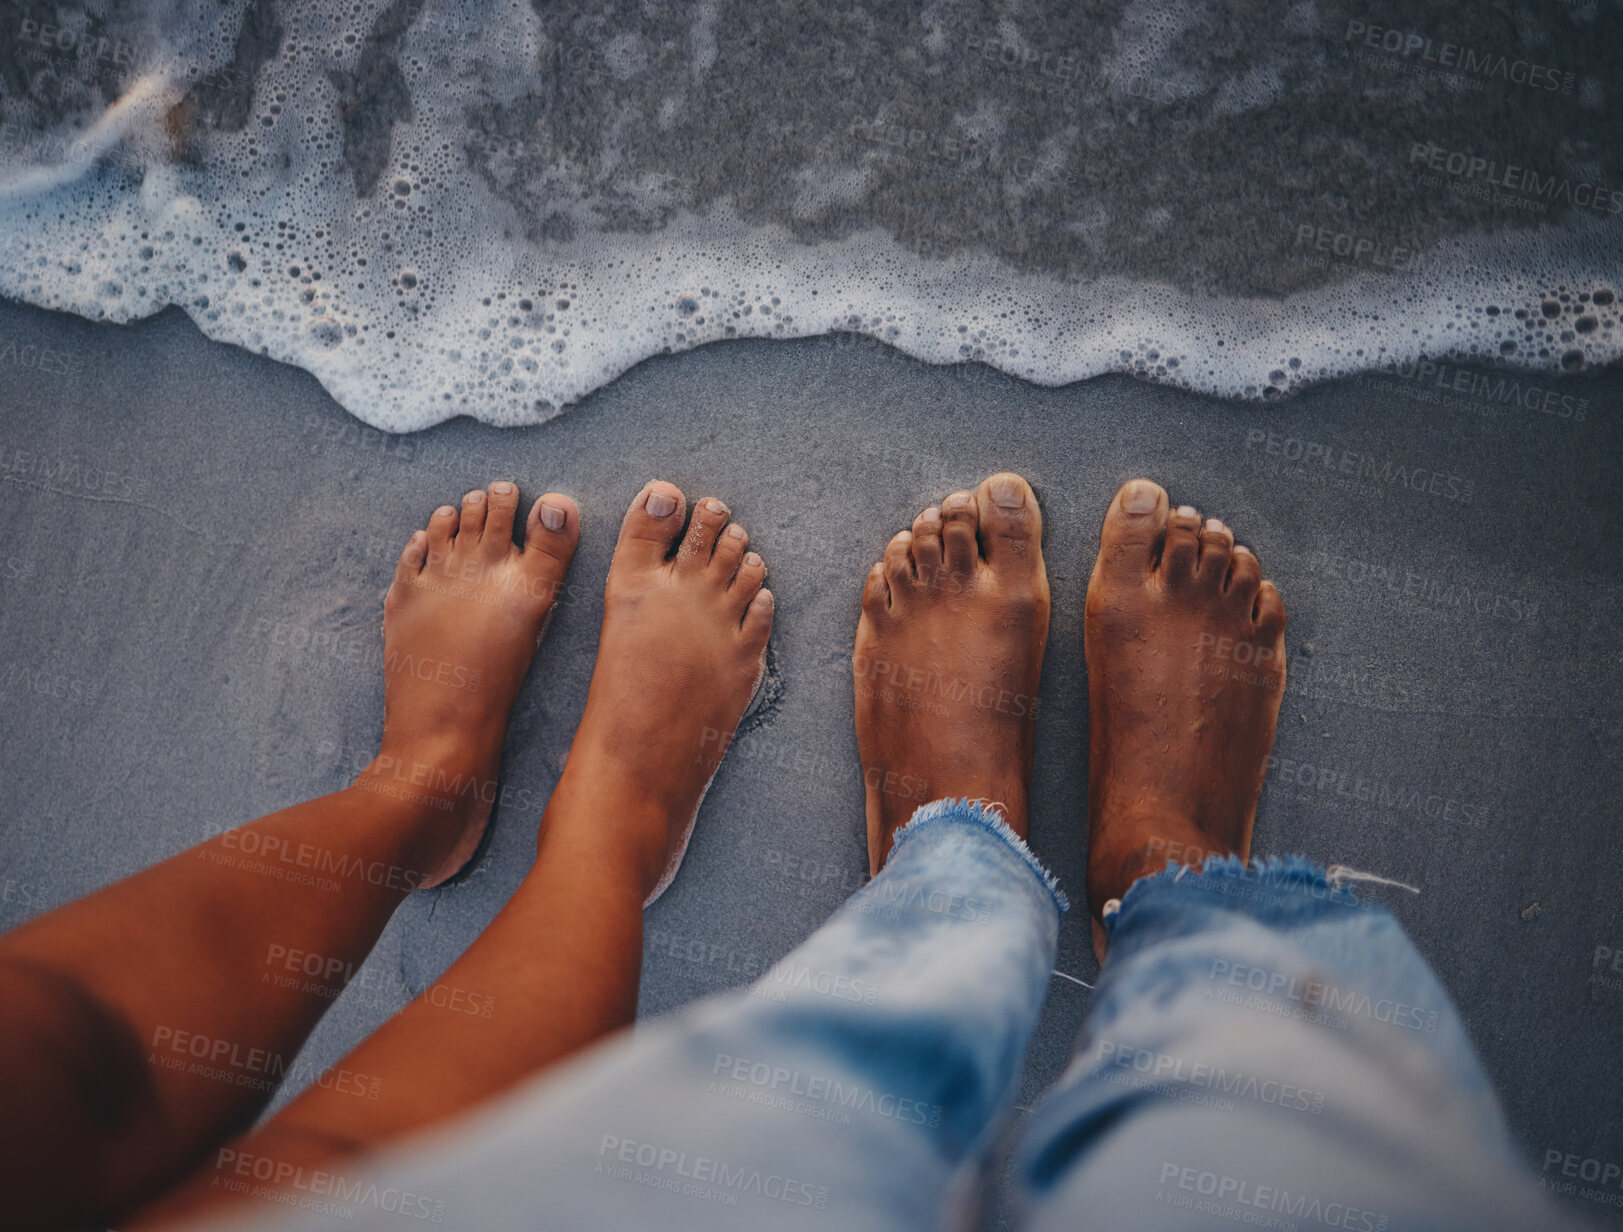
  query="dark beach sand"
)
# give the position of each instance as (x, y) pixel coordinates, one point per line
(197, 541)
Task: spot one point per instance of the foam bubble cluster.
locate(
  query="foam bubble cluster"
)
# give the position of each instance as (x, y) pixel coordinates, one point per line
(320, 188)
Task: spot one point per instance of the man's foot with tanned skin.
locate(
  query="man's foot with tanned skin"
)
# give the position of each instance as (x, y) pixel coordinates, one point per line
(1186, 670)
(948, 657)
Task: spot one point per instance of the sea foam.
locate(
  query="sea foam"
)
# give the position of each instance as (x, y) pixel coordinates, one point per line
(343, 188)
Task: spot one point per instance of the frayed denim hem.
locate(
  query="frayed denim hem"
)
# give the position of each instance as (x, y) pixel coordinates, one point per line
(1287, 874)
(984, 814)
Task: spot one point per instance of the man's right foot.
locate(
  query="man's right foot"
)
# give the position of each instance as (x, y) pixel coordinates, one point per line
(1186, 670)
(948, 657)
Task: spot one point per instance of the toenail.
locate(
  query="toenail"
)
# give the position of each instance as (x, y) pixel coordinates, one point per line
(752, 560)
(502, 488)
(553, 518)
(444, 511)
(957, 500)
(1241, 550)
(1141, 497)
(1188, 511)
(1215, 527)
(932, 514)
(660, 505)
(1008, 493)
(735, 531)
(473, 498)
(714, 505)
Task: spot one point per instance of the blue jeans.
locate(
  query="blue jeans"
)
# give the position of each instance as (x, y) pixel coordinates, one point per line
(1264, 1050)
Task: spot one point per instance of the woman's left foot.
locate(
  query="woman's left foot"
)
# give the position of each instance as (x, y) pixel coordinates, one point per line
(460, 625)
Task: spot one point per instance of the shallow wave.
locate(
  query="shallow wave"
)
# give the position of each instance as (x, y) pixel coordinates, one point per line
(475, 209)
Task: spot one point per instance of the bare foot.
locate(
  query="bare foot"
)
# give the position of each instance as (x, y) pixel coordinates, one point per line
(460, 625)
(1186, 669)
(685, 625)
(948, 657)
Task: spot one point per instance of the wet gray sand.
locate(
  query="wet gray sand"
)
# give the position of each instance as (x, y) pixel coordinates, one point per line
(197, 541)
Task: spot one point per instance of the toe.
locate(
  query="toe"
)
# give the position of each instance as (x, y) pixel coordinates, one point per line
(709, 516)
(1270, 610)
(1216, 546)
(552, 532)
(899, 566)
(473, 517)
(1182, 551)
(747, 583)
(875, 594)
(1011, 524)
(1245, 576)
(730, 545)
(501, 506)
(652, 524)
(758, 620)
(1132, 531)
(412, 557)
(441, 532)
(960, 520)
(927, 548)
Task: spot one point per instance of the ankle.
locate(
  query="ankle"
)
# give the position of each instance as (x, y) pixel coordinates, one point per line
(609, 822)
(1128, 845)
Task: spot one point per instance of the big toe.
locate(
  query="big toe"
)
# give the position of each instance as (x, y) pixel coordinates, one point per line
(652, 524)
(1011, 530)
(552, 532)
(1133, 530)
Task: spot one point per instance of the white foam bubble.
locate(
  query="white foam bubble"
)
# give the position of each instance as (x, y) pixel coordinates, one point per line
(428, 295)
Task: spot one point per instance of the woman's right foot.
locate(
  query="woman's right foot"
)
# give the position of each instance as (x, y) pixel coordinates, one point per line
(1186, 670)
(685, 625)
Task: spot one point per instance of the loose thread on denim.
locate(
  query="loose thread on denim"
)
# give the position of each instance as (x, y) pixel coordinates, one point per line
(1338, 875)
(1073, 979)
(982, 813)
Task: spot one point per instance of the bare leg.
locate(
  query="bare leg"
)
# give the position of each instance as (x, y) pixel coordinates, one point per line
(118, 1004)
(685, 626)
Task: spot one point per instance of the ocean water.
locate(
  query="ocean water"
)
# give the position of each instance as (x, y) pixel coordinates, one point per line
(492, 208)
